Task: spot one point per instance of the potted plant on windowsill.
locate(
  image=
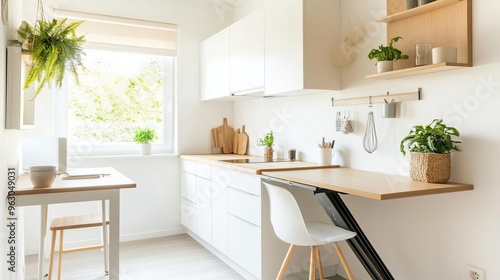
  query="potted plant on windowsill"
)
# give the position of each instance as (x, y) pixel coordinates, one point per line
(267, 142)
(144, 137)
(53, 48)
(386, 55)
(430, 148)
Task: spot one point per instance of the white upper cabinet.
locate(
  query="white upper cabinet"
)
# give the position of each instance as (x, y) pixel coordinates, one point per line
(215, 66)
(232, 60)
(247, 54)
(300, 37)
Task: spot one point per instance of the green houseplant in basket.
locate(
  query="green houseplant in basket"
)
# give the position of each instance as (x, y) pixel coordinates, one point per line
(430, 148)
(144, 137)
(268, 142)
(53, 48)
(386, 55)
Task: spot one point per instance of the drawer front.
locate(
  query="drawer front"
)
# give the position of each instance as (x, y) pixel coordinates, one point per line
(204, 170)
(204, 209)
(188, 214)
(188, 186)
(245, 182)
(244, 205)
(188, 166)
(244, 244)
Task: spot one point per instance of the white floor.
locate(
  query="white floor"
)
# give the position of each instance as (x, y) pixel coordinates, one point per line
(173, 257)
(167, 258)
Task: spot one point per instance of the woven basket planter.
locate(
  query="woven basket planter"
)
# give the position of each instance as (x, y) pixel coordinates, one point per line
(430, 167)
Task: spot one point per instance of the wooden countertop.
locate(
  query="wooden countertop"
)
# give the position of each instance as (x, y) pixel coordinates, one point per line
(253, 168)
(373, 185)
(115, 180)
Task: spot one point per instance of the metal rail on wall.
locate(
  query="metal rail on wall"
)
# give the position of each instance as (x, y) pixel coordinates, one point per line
(388, 98)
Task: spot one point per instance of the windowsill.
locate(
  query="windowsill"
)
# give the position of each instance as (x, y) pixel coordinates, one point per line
(125, 156)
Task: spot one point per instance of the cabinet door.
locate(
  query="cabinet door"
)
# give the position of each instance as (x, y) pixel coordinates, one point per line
(244, 244)
(244, 205)
(247, 53)
(220, 178)
(215, 66)
(188, 186)
(204, 209)
(284, 46)
(188, 214)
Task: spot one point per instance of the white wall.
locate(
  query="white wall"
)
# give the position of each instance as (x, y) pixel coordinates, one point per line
(153, 208)
(9, 142)
(431, 237)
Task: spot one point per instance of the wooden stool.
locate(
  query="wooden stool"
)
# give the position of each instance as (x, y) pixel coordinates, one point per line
(75, 222)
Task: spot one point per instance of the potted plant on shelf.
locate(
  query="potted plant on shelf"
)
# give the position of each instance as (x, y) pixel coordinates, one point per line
(386, 55)
(430, 148)
(53, 48)
(267, 142)
(144, 137)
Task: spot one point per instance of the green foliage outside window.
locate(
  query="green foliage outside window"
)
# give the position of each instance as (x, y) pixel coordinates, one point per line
(108, 107)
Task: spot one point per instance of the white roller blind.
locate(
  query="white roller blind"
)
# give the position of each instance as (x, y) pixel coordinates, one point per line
(109, 32)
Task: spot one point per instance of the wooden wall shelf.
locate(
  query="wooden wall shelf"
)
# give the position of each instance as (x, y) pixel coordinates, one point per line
(420, 70)
(441, 23)
(418, 10)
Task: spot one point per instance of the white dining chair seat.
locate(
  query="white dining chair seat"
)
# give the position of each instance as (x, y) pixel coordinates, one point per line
(324, 233)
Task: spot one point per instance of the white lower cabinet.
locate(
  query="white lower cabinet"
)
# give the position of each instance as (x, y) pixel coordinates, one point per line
(228, 212)
(204, 209)
(188, 214)
(243, 222)
(244, 244)
(196, 200)
(220, 179)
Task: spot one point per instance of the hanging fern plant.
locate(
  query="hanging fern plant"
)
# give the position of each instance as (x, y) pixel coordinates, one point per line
(55, 48)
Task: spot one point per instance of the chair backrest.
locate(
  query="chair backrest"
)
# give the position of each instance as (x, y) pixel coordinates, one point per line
(286, 217)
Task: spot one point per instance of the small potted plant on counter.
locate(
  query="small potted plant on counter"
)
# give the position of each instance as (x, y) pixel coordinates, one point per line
(267, 142)
(144, 137)
(386, 55)
(430, 148)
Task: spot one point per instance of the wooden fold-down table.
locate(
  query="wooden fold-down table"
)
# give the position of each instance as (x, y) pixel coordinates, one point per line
(329, 183)
(63, 191)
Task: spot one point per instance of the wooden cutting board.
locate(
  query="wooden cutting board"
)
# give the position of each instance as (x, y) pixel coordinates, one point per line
(213, 136)
(227, 137)
(236, 138)
(242, 142)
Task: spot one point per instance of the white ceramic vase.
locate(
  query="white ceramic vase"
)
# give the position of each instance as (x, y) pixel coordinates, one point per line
(146, 148)
(384, 66)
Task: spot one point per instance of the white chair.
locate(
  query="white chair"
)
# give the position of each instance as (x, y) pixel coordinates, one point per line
(60, 224)
(290, 227)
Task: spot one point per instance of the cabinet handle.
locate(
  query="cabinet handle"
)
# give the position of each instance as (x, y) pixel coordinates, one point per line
(248, 91)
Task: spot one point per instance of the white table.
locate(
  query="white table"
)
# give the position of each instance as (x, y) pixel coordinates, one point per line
(63, 191)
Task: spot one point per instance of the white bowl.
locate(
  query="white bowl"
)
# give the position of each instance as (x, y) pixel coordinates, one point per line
(444, 54)
(42, 176)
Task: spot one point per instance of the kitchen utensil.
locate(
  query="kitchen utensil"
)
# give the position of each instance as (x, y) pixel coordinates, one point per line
(370, 142)
(236, 138)
(242, 142)
(325, 156)
(227, 137)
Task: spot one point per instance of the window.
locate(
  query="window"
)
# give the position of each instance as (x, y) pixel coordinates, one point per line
(125, 86)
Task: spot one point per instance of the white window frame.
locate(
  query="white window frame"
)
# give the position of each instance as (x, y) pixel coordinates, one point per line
(87, 148)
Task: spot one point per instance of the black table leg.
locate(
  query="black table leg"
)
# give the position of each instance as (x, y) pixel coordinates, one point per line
(342, 217)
